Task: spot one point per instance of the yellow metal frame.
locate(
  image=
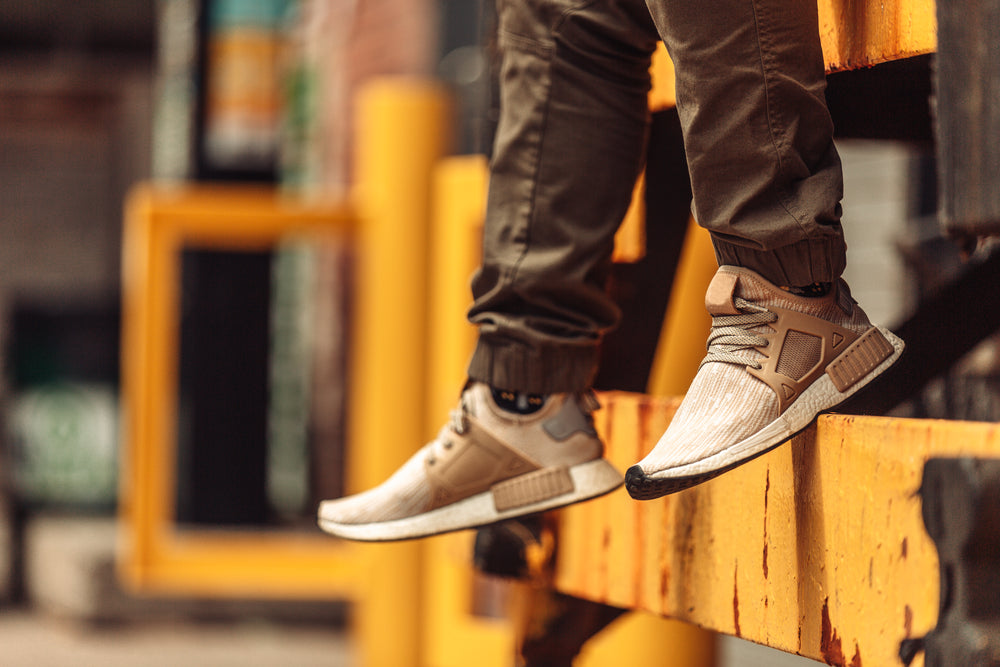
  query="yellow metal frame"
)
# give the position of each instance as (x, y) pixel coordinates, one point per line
(160, 223)
(403, 133)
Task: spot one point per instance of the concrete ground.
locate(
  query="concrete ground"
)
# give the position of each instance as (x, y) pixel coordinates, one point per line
(735, 652)
(78, 616)
(39, 640)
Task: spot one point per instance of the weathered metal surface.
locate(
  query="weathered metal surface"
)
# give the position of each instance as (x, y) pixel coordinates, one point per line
(968, 116)
(854, 33)
(961, 507)
(859, 33)
(817, 548)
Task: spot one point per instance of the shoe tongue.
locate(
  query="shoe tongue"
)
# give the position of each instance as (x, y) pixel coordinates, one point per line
(722, 289)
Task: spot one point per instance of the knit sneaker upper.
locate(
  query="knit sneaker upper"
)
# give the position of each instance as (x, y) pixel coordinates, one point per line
(766, 347)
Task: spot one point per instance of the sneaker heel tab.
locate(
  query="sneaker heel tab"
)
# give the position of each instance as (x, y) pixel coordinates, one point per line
(719, 299)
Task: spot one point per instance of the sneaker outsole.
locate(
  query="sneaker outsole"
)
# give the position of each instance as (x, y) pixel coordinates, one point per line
(590, 480)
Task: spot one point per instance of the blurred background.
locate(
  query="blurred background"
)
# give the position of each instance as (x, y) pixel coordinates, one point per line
(98, 95)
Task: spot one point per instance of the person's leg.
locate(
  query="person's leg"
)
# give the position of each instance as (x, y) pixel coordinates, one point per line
(787, 340)
(569, 146)
(765, 173)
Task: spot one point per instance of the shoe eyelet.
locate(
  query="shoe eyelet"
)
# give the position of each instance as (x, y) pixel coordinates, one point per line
(431, 461)
(448, 444)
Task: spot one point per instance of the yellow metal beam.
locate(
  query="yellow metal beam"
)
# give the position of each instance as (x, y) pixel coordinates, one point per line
(817, 548)
(403, 131)
(681, 346)
(861, 34)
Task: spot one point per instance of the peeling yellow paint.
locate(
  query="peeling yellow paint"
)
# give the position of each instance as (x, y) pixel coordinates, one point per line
(861, 33)
(838, 512)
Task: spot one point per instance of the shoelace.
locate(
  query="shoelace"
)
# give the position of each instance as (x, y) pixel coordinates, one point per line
(731, 335)
(458, 423)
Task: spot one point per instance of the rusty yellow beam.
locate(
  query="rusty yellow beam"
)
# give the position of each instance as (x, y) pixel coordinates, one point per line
(861, 34)
(817, 548)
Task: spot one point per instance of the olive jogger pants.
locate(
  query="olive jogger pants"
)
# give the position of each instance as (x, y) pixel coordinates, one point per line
(570, 143)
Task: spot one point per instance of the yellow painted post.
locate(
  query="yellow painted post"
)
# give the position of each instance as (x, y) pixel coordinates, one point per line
(630, 239)
(686, 325)
(453, 632)
(459, 205)
(663, 94)
(403, 130)
(640, 639)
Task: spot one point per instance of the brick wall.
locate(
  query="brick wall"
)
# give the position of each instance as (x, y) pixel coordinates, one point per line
(393, 37)
(351, 42)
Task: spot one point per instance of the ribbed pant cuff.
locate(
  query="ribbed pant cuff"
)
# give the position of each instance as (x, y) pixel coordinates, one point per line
(803, 263)
(534, 369)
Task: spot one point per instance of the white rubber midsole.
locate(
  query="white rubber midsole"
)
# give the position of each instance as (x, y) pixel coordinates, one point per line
(821, 395)
(590, 479)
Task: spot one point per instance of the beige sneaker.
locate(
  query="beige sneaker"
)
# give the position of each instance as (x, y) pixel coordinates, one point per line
(775, 361)
(486, 465)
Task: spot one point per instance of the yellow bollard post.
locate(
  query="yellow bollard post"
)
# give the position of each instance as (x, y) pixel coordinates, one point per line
(403, 130)
(643, 639)
(685, 327)
(459, 206)
(453, 630)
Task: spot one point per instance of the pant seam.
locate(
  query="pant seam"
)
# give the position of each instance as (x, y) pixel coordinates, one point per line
(532, 208)
(771, 114)
(547, 57)
(521, 43)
